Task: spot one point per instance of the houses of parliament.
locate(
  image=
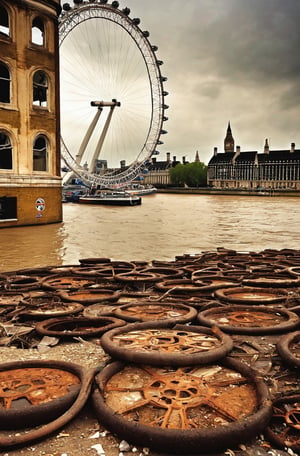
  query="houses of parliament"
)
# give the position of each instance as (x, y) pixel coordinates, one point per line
(253, 170)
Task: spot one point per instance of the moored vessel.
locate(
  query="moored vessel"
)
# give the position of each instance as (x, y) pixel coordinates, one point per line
(112, 198)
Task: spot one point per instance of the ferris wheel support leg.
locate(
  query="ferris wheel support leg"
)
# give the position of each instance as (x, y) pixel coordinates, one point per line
(101, 140)
(88, 135)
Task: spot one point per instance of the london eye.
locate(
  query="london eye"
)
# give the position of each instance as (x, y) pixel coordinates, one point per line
(111, 92)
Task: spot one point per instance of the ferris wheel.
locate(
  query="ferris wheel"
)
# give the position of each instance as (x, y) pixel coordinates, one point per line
(111, 92)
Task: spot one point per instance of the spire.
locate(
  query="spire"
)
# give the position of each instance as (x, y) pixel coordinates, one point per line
(229, 141)
(266, 148)
(197, 159)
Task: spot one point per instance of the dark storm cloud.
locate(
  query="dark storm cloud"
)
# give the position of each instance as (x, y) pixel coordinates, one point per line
(249, 40)
(258, 40)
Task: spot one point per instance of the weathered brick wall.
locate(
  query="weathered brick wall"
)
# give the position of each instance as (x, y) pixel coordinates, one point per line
(27, 212)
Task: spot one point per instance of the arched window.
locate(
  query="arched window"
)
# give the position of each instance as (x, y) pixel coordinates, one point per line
(4, 84)
(4, 21)
(5, 151)
(40, 88)
(40, 155)
(38, 31)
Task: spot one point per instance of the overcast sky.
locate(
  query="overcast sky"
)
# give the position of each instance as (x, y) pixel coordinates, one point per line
(226, 60)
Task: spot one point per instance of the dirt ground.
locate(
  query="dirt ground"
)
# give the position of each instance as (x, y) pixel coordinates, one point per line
(84, 435)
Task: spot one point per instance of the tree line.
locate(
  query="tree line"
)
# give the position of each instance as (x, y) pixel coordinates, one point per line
(189, 174)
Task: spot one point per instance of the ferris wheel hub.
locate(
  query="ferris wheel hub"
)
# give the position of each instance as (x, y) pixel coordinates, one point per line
(106, 103)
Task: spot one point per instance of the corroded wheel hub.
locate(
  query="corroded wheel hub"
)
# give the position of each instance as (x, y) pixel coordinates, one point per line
(184, 398)
(33, 386)
(167, 340)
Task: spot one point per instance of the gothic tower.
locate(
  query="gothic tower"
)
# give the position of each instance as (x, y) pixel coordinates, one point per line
(229, 141)
(30, 182)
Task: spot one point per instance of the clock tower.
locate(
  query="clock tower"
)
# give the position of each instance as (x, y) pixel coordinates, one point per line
(229, 141)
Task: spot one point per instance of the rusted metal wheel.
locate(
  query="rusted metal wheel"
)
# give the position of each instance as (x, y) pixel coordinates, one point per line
(249, 319)
(215, 282)
(46, 394)
(150, 311)
(251, 295)
(90, 295)
(186, 285)
(288, 347)
(77, 327)
(137, 277)
(35, 395)
(271, 281)
(92, 271)
(182, 410)
(165, 272)
(294, 271)
(284, 428)
(67, 282)
(46, 307)
(163, 343)
(22, 283)
(197, 273)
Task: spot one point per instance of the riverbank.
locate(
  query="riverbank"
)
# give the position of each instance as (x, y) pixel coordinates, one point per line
(229, 192)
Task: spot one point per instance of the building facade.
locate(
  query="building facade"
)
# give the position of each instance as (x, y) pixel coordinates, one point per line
(251, 170)
(158, 171)
(30, 182)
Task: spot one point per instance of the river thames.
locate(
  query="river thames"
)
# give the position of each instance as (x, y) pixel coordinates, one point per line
(165, 225)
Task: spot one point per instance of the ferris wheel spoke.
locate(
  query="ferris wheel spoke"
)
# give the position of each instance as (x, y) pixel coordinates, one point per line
(105, 56)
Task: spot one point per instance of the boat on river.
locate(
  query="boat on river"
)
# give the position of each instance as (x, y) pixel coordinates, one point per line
(111, 197)
(140, 190)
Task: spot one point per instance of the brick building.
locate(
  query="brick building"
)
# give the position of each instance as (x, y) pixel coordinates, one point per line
(30, 182)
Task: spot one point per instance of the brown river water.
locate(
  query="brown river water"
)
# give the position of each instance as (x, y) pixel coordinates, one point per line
(165, 225)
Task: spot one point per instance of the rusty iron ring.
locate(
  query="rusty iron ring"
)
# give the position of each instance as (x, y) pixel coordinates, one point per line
(86, 377)
(77, 326)
(184, 285)
(251, 295)
(51, 309)
(150, 311)
(285, 350)
(214, 282)
(179, 400)
(164, 272)
(249, 319)
(138, 277)
(165, 343)
(19, 283)
(90, 295)
(271, 280)
(284, 427)
(65, 282)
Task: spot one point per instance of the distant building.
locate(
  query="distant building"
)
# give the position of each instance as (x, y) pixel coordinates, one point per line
(271, 169)
(158, 171)
(30, 182)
